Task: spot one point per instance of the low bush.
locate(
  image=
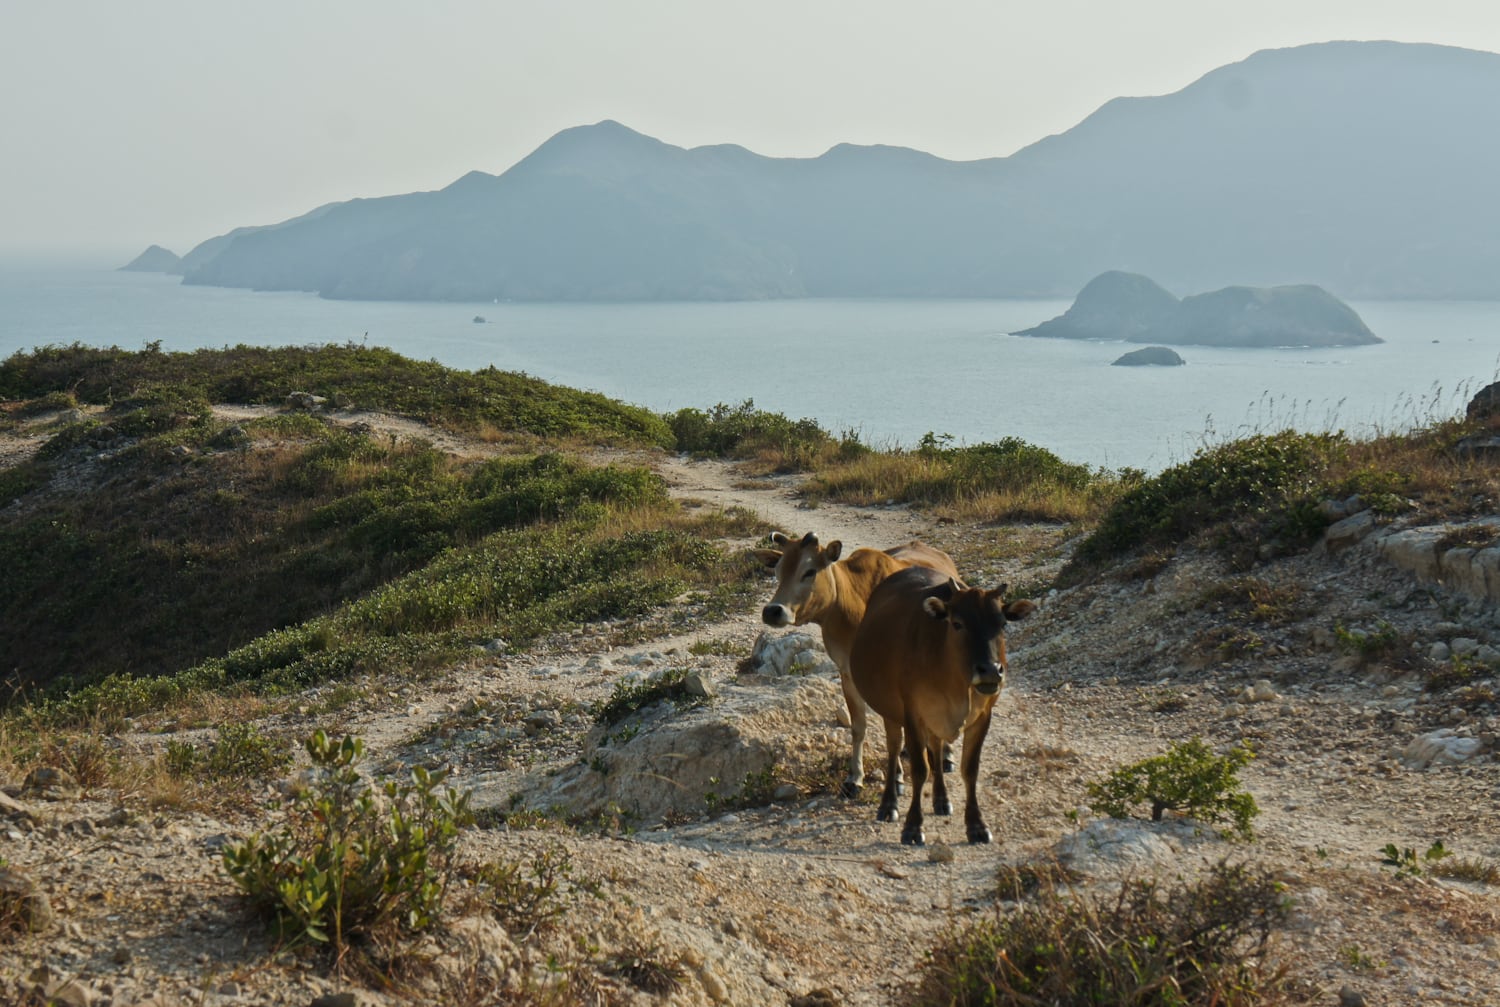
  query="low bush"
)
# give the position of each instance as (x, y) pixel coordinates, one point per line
(1269, 479)
(744, 431)
(241, 751)
(632, 697)
(352, 862)
(1188, 778)
(1197, 943)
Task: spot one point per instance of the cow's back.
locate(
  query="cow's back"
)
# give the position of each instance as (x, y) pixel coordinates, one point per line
(921, 554)
(896, 634)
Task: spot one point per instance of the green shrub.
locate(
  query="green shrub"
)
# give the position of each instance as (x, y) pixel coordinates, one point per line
(352, 863)
(1201, 943)
(630, 697)
(1188, 778)
(1269, 477)
(743, 431)
(158, 410)
(240, 751)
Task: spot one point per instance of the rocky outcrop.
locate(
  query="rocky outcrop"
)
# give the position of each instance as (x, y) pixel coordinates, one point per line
(1427, 554)
(1151, 356)
(664, 760)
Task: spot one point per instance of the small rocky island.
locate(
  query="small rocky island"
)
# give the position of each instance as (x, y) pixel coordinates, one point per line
(1151, 356)
(154, 259)
(1135, 309)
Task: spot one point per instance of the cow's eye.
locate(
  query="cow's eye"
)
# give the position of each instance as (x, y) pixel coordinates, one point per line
(958, 624)
(809, 575)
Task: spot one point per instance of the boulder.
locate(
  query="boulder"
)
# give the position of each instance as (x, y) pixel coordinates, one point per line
(664, 759)
(24, 902)
(1151, 356)
(1443, 747)
(1114, 847)
(1485, 404)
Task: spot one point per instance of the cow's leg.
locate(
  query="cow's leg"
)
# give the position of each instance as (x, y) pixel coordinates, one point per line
(858, 724)
(941, 805)
(978, 832)
(948, 764)
(911, 832)
(887, 811)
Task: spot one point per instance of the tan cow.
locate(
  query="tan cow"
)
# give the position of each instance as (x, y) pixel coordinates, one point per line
(929, 657)
(815, 587)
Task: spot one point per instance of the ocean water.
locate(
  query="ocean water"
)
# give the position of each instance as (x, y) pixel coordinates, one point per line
(889, 370)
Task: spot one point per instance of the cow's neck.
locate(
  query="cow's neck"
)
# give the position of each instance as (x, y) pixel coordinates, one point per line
(839, 616)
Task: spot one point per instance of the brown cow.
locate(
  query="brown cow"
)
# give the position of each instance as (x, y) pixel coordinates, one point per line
(814, 587)
(929, 657)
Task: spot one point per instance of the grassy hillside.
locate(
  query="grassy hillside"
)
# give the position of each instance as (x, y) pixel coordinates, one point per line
(349, 376)
(155, 549)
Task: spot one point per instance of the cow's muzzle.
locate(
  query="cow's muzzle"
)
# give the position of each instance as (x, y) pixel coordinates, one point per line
(987, 679)
(776, 615)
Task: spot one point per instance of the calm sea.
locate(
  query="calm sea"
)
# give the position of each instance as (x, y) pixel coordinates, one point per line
(890, 370)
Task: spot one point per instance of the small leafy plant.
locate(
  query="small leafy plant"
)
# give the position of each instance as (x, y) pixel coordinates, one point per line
(1188, 778)
(630, 697)
(530, 896)
(1367, 645)
(1408, 864)
(353, 862)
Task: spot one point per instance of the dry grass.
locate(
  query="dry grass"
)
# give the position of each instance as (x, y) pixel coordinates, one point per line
(970, 486)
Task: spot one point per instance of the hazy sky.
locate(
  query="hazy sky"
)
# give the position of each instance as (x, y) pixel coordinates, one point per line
(169, 121)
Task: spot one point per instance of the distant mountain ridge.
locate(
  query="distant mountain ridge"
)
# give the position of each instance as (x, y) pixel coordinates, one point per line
(1366, 168)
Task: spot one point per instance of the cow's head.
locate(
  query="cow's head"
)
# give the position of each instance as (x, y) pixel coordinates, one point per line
(977, 618)
(800, 592)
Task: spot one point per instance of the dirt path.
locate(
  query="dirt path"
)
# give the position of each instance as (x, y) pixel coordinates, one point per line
(718, 484)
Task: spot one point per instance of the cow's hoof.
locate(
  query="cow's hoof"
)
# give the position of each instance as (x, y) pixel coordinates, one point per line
(948, 764)
(851, 789)
(979, 833)
(912, 836)
(942, 807)
(886, 814)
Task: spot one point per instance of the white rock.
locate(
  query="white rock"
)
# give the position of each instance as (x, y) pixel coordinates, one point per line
(777, 654)
(1443, 747)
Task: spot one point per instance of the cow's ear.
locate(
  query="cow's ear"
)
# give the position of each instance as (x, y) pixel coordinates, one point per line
(1018, 610)
(768, 557)
(833, 550)
(935, 607)
(780, 539)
